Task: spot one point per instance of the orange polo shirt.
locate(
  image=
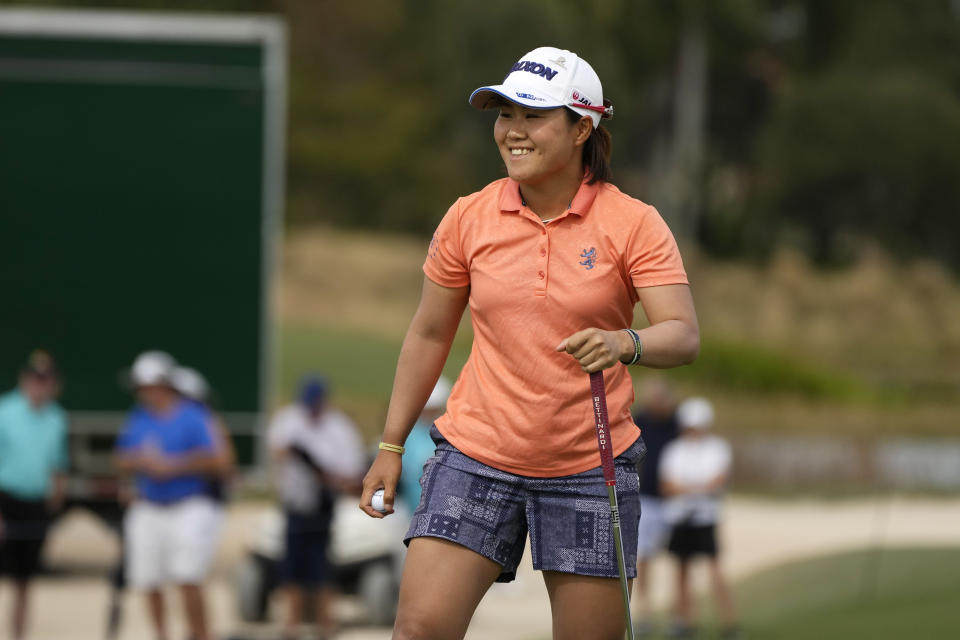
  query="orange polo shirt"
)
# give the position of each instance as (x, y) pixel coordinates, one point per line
(518, 404)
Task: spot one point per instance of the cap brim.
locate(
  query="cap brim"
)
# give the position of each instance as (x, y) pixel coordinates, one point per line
(484, 97)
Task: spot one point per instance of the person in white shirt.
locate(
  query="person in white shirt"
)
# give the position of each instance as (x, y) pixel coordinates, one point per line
(318, 454)
(693, 474)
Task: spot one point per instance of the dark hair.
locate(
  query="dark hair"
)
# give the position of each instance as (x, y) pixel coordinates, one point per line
(596, 150)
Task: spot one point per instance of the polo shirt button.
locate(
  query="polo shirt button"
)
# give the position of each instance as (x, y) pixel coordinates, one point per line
(543, 252)
(541, 275)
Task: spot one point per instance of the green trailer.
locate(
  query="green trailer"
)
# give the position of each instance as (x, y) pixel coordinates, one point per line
(141, 196)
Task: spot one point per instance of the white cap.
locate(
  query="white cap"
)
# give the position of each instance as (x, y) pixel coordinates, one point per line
(190, 383)
(547, 78)
(438, 397)
(695, 413)
(151, 368)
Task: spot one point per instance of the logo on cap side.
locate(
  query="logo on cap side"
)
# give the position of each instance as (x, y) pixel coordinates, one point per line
(560, 62)
(580, 98)
(535, 68)
(529, 96)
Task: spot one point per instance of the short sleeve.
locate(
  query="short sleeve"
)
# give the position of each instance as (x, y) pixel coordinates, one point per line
(445, 263)
(130, 436)
(279, 434)
(653, 258)
(203, 433)
(354, 462)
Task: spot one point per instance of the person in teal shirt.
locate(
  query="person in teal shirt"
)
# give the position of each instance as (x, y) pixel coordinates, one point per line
(33, 462)
(419, 446)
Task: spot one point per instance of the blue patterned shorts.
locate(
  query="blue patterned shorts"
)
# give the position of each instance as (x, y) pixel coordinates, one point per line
(490, 511)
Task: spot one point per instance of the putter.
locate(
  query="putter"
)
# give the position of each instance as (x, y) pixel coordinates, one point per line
(601, 419)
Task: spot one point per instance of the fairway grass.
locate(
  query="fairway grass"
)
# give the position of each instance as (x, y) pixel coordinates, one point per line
(359, 364)
(875, 594)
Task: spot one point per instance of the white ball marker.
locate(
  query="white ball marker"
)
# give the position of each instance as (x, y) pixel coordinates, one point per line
(377, 501)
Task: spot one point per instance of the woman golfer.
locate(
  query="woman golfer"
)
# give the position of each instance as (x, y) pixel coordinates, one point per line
(552, 261)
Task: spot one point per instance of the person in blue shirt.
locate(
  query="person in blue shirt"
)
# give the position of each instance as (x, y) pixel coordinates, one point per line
(194, 388)
(171, 527)
(33, 461)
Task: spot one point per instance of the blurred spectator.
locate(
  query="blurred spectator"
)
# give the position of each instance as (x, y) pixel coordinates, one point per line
(419, 446)
(170, 529)
(657, 420)
(319, 454)
(693, 475)
(194, 388)
(33, 461)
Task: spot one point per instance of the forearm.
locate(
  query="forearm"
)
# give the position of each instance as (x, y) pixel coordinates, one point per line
(205, 463)
(669, 343)
(420, 363)
(670, 489)
(126, 463)
(58, 491)
(59, 485)
(226, 456)
(673, 337)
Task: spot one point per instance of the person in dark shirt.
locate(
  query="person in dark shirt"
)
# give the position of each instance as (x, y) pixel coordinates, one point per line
(656, 417)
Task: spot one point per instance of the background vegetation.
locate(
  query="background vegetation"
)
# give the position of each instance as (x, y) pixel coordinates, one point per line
(826, 124)
(813, 185)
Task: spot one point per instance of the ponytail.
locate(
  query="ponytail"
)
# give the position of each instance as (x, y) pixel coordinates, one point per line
(596, 155)
(596, 151)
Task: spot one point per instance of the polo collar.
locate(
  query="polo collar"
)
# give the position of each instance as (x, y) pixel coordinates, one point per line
(512, 202)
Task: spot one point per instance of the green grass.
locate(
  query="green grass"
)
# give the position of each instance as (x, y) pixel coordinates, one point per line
(359, 364)
(744, 367)
(875, 594)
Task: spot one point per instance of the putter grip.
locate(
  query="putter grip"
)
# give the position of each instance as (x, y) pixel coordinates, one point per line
(599, 398)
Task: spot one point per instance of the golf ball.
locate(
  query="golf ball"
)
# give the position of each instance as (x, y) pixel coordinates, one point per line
(377, 501)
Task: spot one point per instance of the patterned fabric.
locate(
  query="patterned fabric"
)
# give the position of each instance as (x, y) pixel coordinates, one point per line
(492, 511)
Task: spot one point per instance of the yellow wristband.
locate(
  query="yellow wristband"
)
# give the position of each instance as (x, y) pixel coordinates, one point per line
(395, 448)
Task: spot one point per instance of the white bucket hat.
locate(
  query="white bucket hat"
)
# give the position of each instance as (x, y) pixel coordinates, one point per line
(695, 413)
(547, 78)
(190, 383)
(152, 368)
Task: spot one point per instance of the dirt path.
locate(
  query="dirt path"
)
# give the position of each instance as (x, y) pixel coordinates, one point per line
(757, 534)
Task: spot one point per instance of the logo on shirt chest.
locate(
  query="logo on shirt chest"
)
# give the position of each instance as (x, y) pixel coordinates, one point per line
(588, 258)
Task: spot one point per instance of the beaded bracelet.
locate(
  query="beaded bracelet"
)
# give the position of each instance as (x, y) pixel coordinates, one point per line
(637, 346)
(395, 448)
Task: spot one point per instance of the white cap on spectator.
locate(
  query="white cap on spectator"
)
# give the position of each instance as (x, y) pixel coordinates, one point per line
(438, 398)
(152, 368)
(190, 383)
(695, 413)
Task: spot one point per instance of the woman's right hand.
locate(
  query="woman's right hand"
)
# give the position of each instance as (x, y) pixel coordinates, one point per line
(384, 474)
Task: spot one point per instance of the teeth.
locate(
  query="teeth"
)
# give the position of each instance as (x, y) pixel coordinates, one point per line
(519, 152)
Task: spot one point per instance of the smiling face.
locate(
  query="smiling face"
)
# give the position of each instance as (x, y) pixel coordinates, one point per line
(539, 144)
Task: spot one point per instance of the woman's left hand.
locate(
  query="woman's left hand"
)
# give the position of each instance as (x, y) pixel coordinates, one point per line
(596, 349)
